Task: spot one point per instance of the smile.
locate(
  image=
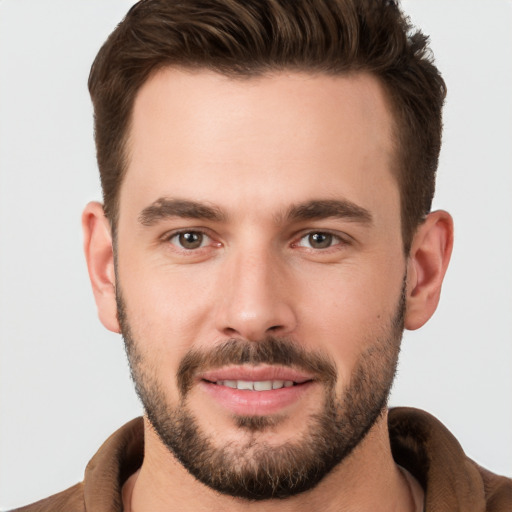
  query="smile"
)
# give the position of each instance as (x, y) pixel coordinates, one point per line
(259, 385)
(256, 390)
(256, 378)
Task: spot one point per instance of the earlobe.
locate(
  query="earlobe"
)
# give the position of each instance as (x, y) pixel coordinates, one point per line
(100, 263)
(428, 260)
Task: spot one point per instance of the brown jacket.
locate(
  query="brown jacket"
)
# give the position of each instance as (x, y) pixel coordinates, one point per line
(420, 443)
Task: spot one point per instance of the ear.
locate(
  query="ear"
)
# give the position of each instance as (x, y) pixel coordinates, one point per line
(100, 263)
(428, 260)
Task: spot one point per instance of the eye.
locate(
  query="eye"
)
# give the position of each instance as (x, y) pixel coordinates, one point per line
(190, 240)
(319, 240)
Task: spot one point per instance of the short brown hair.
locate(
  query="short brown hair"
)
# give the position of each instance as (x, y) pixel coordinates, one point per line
(254, 37)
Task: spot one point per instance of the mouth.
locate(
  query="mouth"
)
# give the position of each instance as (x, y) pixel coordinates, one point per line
(256, 378)
(256, 390)
(258, 385)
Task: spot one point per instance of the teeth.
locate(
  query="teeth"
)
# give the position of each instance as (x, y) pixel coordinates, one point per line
(265, 385)
(260, 385)
(244, 384)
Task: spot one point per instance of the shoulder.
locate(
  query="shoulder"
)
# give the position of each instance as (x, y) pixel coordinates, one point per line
(118, 457)
(451, 480)
(498, 491)
(70, 500)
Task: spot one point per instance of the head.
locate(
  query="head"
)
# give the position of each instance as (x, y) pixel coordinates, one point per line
(267, 170)
(245, 39)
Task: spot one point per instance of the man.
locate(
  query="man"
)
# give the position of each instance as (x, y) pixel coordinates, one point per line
(266, 235)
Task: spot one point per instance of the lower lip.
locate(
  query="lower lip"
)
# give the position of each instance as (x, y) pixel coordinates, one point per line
(256, 403)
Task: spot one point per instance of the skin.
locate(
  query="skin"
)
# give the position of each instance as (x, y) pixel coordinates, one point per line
(253, 149)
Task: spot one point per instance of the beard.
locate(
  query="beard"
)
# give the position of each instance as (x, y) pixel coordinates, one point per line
(254, 469)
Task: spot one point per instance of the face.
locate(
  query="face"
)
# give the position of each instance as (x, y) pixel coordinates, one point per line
(260, 272)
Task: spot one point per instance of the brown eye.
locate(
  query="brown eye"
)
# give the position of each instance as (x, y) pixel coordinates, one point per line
(319, 240)
(189, 240)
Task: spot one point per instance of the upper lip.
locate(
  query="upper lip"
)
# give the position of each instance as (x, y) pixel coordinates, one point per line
(256, 374)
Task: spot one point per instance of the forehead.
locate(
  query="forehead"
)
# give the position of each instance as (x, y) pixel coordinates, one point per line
(201, 133)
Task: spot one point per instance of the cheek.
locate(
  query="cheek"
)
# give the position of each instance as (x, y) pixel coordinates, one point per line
(167, 309)
(348, 314)
(159, 289)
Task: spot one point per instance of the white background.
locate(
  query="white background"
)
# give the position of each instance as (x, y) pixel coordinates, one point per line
(64, 384)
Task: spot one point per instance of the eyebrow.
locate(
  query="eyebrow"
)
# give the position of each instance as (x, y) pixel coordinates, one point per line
(322, 209)
(164, 208)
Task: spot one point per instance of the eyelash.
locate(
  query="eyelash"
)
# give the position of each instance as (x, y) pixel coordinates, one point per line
(335, 240)
(332, 238)
(175, 234)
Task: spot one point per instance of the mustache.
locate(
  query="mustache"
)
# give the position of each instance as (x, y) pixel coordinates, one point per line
(271, 350)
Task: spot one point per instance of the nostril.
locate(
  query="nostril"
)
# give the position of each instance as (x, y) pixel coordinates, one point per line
(253, 319)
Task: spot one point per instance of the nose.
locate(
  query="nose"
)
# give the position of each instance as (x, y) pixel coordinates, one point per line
(256, 297)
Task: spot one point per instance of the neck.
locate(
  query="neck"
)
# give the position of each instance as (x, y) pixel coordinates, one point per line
(367, 480)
